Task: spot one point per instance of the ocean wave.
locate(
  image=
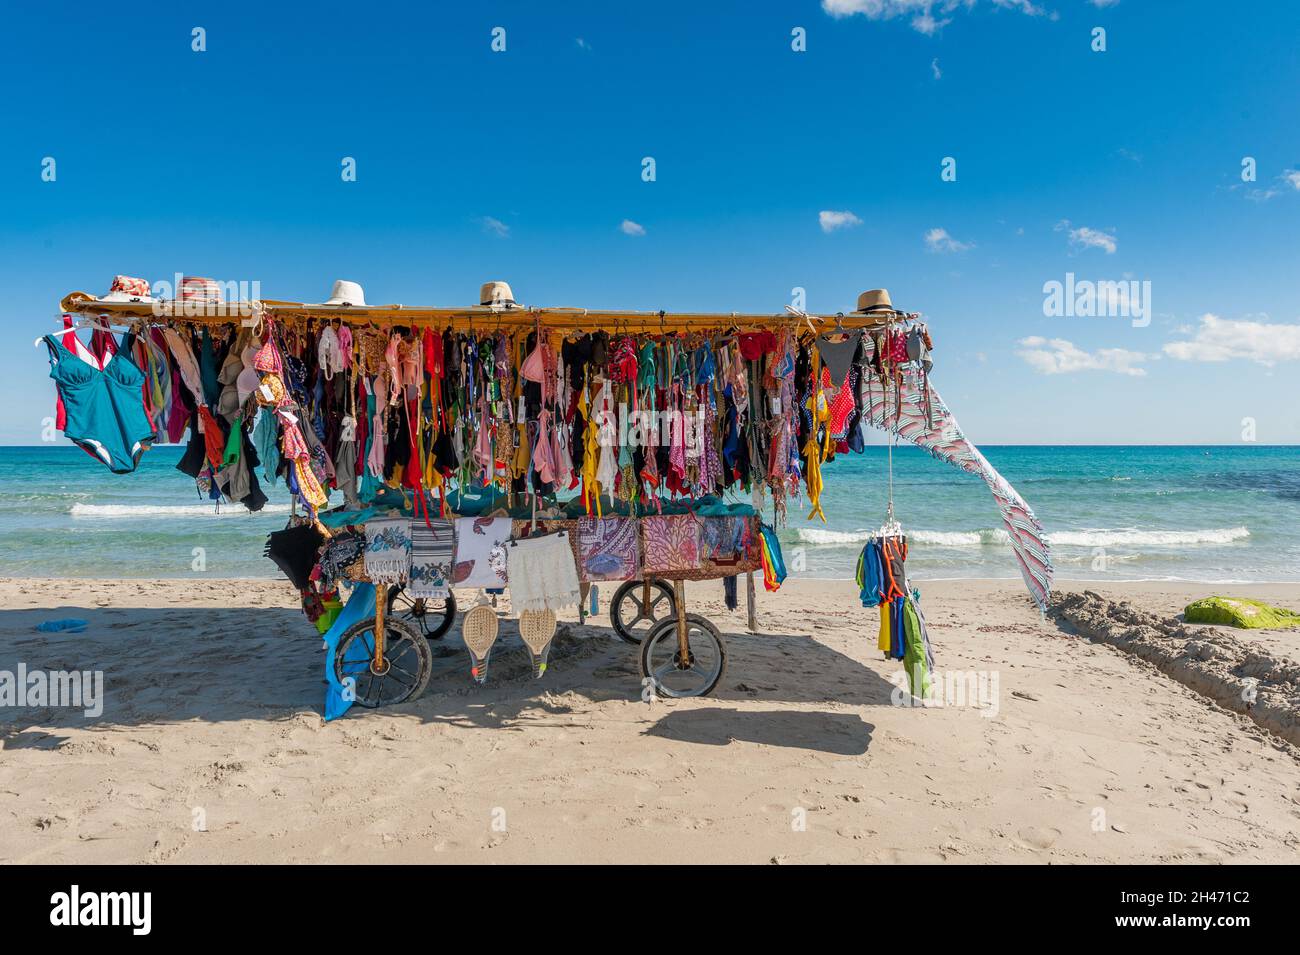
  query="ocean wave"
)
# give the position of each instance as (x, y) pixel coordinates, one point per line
(995, 537)
(178, 510)
(1133, 537)
(824, 538)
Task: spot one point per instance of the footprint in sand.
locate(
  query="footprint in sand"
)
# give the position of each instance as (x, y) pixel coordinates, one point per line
(1039, 837)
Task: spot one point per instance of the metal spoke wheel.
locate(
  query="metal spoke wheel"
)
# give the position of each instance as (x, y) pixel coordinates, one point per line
(631, 620)
(407, 663)
(695, 675)
(433, 618)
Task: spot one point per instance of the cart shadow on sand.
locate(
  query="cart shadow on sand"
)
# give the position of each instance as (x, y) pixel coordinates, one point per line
(171, 665)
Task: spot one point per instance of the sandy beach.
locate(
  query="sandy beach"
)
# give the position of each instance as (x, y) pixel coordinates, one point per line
(211, 746)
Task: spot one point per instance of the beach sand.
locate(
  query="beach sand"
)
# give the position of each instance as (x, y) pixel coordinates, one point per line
(213, 713)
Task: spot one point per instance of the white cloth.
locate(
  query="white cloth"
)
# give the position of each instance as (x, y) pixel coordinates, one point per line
(543, 574)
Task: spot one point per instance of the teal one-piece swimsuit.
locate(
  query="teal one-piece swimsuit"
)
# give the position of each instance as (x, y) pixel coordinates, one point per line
(105, 409)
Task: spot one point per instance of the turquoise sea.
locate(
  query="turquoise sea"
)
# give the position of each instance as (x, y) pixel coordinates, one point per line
(1118, 513)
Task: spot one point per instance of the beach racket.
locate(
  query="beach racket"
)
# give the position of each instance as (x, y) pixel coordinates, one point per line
(537, 627)
(480, 632)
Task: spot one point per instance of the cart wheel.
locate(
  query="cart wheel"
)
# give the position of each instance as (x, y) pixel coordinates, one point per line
(704, 667)
(629, 618)
(428, 616)
(406, 653)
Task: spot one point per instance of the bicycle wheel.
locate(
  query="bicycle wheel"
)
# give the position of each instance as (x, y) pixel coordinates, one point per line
(433, 618)
(701, 670)
(408, 663)
(631, 621)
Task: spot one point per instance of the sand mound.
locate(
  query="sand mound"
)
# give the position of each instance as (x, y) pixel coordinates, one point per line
(1237, 674)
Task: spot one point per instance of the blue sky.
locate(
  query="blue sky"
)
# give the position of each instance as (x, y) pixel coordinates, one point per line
(524, 165)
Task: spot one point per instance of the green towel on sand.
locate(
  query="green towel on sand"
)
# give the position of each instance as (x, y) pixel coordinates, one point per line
(1239, 612)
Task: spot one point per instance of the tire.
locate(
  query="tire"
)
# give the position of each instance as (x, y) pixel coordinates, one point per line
(406, 651)
(659, 656)
(625, 609)
(422, 613)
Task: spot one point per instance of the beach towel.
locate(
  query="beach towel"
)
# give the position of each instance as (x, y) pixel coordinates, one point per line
(925, 421)
(360, 606)
(773, 562)
(672, 543)
(388, 550)
(543, 575)
(481, 551)
(608, 548)
(432, 553)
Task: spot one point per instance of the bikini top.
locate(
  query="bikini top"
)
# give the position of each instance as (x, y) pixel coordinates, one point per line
(329, 352)
(838, 356)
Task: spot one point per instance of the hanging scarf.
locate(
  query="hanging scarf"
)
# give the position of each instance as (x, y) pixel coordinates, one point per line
(432, 556)
(388, 550)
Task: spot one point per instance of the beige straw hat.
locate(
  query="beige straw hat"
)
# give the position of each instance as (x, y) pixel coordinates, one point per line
(875, 300)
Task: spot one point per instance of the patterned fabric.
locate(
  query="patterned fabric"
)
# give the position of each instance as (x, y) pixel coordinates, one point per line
(481, 551)
(388, 550)
(729, 545)
(131, 287)
(946, 441)
(432, 551)
(608, 548)
(340, 553)
(672, 543)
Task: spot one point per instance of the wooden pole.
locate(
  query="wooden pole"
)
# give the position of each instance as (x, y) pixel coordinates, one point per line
(683, 641)
(751, 612)
(378, 665)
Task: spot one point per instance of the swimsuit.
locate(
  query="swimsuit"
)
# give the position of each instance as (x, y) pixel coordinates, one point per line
(105, 407)
(838, 356)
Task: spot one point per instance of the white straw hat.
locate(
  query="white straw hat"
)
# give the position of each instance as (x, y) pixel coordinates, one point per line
(347, 293)
(497, 294)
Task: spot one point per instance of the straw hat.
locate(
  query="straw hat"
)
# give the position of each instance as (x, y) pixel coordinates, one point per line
(194, 289)
(875, 300)
(497, 294)
(127, 289)
(346, 293)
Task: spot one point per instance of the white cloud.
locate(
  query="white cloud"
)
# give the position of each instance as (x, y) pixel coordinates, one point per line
(631, 228)
(1056, 356)
(922, 12)
(495, 226)
(934, 67)
(831, 220)
(1086, 238)
(938, 240)
(1103, 3)
(582, 44)
(1220, 339)
(1292, 176)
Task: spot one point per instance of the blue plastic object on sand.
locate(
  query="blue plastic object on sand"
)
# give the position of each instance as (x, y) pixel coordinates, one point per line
(67, 625)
